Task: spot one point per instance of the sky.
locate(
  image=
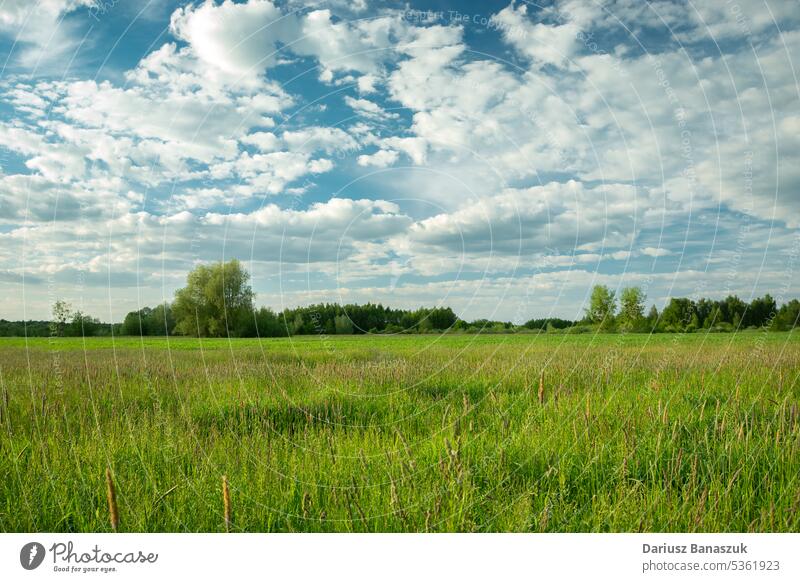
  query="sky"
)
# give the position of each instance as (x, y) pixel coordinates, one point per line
(497, 157)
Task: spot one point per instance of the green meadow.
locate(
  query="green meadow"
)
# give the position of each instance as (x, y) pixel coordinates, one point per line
(410, 433)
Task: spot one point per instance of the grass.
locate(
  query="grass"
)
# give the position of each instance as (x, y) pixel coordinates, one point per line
(408, 433)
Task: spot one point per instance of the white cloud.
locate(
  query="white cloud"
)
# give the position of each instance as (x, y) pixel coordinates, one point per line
(35, 198)
(545, 43)
(368, 109)
(42, 28)
(327, 139)
(517, 222)
(380, 159)
(655, 252)
(270, 173)
(415, 148)
(359, 45)
(237, 38)
(366, 83)
(265, 141)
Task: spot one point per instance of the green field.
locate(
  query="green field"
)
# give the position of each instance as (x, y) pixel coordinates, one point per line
(409, 433)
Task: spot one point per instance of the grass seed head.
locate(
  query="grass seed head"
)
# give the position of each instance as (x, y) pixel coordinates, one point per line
(541, 387)
(111, 495)
(226, 502)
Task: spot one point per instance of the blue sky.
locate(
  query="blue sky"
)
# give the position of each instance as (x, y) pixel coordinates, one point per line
(498, 157)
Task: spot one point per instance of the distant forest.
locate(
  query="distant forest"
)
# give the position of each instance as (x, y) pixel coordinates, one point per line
(218, 302)
(680, 315)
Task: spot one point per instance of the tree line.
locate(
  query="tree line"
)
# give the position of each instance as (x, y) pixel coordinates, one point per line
(686, 315)
(218, 301)
(66, 321)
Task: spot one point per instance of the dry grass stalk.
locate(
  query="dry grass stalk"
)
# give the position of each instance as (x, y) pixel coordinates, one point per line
(226, 502)
(111, 495)
(541, 387)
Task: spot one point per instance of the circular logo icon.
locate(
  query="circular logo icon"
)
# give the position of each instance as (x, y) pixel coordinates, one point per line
(31, 555)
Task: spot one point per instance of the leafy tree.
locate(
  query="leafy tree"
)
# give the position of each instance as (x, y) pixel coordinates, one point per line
(147, 321)
(652, 317)
(694, 322)
(631, 312)
(442, 318)
(761, 311)
(136, 322)
(677, 315)
(342, 325)
(553, 322)
(28, 328)
(217, 301)
(161, 320)
(602, 306)
(714, 318)
(268, 324)
(424, 325)
(82, 325)
(297, 324)
(730, 308)
(704, 308)
(61, 314)
(788, 316)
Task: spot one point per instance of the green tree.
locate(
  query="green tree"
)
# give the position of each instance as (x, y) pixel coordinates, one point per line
(602, 306)
(652, 317)
(442, 318)
(714, 318)
(730, 308)
(694, 323)
(268, 324)
(677, 315)
(297, 324)
(704, 308)
(161, 320)
(761, 311)
(62, 312)
(343, 325)
(788, 316)
(146, 321)
(631, 311)
(136, 322)
(82, 325)
(217, 301)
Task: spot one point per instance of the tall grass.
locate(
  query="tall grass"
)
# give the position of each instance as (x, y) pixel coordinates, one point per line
(415, 433)
(111, 495)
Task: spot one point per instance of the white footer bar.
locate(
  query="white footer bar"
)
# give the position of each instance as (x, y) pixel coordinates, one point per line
(387, 557)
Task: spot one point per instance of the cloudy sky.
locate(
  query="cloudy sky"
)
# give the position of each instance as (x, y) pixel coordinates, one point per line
(497, 157)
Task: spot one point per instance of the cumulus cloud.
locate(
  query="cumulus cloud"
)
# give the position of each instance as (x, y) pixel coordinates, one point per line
(655, 252)
(518, 222)
(369, 109)
(237, 38)
(42, 28)
(326, 139)
(380, 159)
(360, 45)
(545, 43)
